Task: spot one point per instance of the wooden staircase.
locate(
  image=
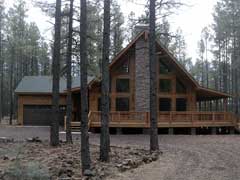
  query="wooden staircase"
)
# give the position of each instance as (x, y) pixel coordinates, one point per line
(76, 125)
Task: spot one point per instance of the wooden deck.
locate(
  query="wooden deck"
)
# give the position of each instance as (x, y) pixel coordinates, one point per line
(165, 119)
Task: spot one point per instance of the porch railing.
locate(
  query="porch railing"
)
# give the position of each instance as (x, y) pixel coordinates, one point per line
(166, 119)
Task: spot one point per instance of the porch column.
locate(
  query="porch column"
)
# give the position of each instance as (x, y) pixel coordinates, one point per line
(170, 131)
(225, 104)
(232, 130)
(214, 130)
(200, 106)
(173, 94)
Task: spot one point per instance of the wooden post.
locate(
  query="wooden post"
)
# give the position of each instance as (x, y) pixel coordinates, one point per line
(225, 104)
(170, 131)
(148, 120)
(65, 123)
(193, 131)
(119, 118)
(213, 117)
(232, 130)
(170, 117)
(214, 130)
(192, 118)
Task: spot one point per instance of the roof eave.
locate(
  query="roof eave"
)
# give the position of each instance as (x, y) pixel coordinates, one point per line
(216, 93)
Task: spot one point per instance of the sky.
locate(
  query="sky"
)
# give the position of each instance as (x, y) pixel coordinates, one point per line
(191, 18)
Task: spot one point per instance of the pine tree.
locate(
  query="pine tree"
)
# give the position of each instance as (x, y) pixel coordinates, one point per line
(54, 134)
(105, 138)
(116, 33)
(23, 52)
(69, 76)
(1, 59)
(153, 81)
(85, 152)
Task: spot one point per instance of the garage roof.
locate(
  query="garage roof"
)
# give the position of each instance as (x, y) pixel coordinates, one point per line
(43, 84)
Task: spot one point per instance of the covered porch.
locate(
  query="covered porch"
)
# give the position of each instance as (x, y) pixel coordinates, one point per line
(214, 113)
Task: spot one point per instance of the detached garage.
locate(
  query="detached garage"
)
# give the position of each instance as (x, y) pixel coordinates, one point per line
(35, 100)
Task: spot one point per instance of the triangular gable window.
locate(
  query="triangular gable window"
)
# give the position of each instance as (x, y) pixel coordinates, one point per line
(124, 67)
(163, 68)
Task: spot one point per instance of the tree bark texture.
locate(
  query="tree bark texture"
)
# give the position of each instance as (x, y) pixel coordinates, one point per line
(69, 76)
(105, 139)
(153, 81)
(54, 134)
(85, 152)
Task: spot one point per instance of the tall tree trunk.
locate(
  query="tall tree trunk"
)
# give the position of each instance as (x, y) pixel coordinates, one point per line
(85, 152)
(11, 84)
(105, 139)
(153, 81)
(1, 71)
(1, 90)
(69, 75)
(54, 135)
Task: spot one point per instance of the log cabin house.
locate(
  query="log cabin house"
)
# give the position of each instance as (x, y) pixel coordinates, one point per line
(179, 97)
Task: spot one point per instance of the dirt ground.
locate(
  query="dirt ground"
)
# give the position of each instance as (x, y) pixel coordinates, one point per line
(184, 157)
(191, 158)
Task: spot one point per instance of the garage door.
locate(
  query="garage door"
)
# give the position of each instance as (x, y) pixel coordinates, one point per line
(40, 115)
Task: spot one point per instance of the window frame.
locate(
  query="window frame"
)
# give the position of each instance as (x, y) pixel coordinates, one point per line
(186, 103)
(165, 98)
(182, 85)
(169, 90)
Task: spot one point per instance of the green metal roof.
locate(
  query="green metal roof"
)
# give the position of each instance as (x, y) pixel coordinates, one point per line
(43, 84)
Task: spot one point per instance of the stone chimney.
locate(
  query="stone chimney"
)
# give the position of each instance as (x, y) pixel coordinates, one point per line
(142, 74)
(140, 27)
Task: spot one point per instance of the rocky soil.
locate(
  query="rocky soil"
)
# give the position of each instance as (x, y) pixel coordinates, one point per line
(34, 159)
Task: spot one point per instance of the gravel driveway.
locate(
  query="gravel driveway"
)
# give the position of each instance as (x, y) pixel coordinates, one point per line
(185, 157)
(189, 158)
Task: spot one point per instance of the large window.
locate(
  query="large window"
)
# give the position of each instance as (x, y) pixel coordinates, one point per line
(122, 85)
(122, 104)
(165, 104)
(163, 68)
(181, 104)
(180, 87)
(165, 85)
